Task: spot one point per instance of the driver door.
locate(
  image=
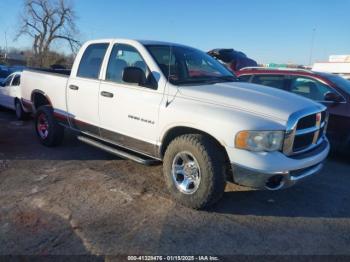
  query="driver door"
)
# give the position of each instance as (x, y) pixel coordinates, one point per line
(128, 112)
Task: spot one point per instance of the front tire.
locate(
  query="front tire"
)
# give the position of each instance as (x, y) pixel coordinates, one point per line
(49, 132)
(195, 171)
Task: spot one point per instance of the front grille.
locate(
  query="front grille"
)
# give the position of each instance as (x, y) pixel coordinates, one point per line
(306, 122)
(306, 132)
(324, 116)
(303, 142)
(321, 133)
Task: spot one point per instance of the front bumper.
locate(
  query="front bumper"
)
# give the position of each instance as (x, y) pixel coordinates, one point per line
(275, 170)
(273, 181)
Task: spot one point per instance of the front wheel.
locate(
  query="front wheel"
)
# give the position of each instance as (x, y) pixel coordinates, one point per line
(195, 171)
(49, 132)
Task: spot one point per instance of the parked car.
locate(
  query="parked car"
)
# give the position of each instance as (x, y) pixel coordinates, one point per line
(154, 101)
(331, 90)
(16, 68)
(10, 95)
(232, 59)
(4, 72)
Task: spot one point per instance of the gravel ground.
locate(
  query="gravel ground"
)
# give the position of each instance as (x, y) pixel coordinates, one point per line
(76, 199)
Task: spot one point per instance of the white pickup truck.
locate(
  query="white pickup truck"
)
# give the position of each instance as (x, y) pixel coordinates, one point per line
(153, 101)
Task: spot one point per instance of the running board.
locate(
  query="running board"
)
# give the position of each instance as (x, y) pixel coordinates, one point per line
(119, 152)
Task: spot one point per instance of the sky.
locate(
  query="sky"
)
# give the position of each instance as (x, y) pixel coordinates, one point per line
(278, 31)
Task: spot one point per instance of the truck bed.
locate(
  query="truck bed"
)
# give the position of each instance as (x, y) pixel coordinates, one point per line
(51, 83)
(52, 71)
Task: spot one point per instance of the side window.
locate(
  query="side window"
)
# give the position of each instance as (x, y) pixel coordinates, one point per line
(277, 81)
(123, 56)
(244, 78)
(309, 88)
(16, 81)
(91, 61)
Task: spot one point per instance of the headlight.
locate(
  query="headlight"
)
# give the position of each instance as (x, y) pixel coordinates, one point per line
(260, 140)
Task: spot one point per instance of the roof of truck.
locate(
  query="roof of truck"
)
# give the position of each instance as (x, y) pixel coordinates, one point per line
(143, 42)
(153, 42)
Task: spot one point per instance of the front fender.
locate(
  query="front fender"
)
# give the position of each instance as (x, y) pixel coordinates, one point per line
(222, 123)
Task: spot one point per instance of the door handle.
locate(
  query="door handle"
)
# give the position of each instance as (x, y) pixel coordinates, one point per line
(106, 94)
(73, 87)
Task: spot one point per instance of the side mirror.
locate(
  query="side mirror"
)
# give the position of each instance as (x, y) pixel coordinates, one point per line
(134, 75)
(332, 97)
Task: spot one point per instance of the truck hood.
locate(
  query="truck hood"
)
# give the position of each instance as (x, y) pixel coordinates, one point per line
(256, 99)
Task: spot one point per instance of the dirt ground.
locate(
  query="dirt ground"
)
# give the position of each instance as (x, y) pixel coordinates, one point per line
(75, 199)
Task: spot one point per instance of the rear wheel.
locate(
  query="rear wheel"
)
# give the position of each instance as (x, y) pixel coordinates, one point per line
(20, 114)
(49, 132)
(194, 170)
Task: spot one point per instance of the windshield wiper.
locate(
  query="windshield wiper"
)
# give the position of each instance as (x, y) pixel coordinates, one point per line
(211, 80)
(191, 81)
(227, 78)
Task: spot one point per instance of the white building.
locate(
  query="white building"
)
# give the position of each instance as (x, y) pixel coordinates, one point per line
(337, 64)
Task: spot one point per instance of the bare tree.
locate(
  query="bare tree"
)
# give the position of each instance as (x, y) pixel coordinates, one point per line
(47, 21)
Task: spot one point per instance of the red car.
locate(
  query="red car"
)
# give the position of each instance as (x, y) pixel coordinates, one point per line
(331, 90)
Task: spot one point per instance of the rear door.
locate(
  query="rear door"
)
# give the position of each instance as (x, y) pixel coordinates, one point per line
(83, 90)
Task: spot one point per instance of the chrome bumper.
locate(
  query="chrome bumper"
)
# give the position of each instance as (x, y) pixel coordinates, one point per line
(272, 181)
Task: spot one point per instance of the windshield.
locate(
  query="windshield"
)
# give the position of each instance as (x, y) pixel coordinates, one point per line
(340, 82)
(185, 65)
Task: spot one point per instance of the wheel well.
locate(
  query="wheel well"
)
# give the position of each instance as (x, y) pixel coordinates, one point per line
(179, 131)
(40, 100)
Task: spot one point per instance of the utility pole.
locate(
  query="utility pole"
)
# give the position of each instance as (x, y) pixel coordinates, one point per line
(312, 45)
(6, 50)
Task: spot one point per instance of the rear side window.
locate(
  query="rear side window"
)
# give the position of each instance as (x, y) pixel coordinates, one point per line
(276, 81)
(90, 64)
